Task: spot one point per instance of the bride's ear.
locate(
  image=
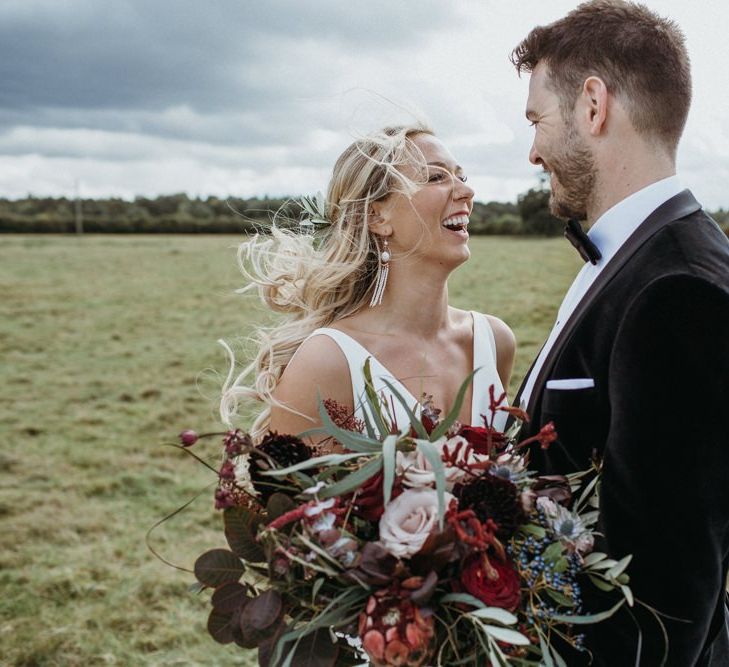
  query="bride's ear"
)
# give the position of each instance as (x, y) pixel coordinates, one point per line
(377, 222)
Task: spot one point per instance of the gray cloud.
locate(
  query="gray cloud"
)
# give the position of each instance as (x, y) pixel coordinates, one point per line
(211, 56)
(242, 97)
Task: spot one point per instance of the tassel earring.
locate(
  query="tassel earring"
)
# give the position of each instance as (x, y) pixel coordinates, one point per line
(384, 270)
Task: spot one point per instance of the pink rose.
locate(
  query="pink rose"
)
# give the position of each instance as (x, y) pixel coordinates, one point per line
(408, 521)
(417, 472)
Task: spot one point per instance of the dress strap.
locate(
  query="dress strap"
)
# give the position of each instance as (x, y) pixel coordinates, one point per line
(484, 358)
(354, 353)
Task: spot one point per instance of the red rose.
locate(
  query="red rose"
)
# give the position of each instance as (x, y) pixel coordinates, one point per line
(369, 502)
(494, 582)
(483, 440)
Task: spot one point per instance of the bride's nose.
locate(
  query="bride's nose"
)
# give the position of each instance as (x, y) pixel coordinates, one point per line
(463, 191)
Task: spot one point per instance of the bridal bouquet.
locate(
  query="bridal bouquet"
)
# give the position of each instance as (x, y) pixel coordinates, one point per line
(430, 545)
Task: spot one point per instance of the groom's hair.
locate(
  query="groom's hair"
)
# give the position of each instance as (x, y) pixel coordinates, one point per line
(640, 56)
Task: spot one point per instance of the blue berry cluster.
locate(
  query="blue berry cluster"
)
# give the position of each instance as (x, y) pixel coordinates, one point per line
(536, 571)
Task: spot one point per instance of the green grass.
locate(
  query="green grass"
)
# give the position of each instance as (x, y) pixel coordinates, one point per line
(108, 350)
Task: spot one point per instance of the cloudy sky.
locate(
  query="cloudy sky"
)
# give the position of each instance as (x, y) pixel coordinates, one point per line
(235, 97)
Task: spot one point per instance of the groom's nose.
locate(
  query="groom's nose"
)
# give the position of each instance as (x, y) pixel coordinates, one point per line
(534, 157)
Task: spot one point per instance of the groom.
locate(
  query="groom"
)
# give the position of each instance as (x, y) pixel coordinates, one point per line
(636, 368)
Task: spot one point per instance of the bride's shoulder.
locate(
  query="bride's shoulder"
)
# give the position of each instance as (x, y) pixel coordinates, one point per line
(318, 370)
(318, 356)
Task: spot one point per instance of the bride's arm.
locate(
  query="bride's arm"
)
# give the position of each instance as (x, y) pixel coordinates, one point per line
(318, 366)
(505, 349)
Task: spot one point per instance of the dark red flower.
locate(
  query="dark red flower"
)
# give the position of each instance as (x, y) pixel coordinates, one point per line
(369, 502)
(188, 438)
(285, 451)
(492, 497)
(227, 470)
(493, 581)
(483, 440)
(224, 499)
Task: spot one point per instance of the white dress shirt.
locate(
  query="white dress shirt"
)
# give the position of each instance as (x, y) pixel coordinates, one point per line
(611, 230)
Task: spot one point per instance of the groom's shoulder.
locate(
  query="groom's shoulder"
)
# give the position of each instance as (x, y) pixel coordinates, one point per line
(693, 245)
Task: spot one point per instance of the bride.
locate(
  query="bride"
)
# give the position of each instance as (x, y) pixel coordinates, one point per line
(372, 282)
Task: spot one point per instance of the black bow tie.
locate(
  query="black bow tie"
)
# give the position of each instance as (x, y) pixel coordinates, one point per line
(576, 236)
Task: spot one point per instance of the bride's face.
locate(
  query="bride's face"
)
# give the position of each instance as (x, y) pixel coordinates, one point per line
(431, 224)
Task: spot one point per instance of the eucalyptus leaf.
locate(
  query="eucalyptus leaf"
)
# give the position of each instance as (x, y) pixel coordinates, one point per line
(590, 517)
(546, 653)
(373, 400)
(452, 416)
(494, 614)
(559, 597)
(354, 480)
(432, 452)
(558, 658)
(327, 460)
(414, 420)
(617, 569)
(463, 598)
(594, 557)
(506, 635)
(604, 564)
(588, 619)
(586, 493)
(316, 588)
(601, 583)
(350, 439)
(388, 463)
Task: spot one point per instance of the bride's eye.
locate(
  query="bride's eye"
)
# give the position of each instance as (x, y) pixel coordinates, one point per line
(462, 178)
(436, 177)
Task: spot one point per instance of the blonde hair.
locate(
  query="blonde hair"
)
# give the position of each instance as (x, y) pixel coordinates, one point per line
(317, 278)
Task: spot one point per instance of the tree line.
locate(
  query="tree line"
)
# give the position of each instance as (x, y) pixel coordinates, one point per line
(178, 213)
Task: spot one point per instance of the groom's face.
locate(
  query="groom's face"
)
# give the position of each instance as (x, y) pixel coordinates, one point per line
(559, 149)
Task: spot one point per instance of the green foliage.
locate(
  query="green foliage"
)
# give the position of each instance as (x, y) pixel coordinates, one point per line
(105, 342)
(178, 214)
(536, 219)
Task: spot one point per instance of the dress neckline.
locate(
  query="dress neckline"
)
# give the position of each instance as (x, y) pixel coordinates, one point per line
(479, 392)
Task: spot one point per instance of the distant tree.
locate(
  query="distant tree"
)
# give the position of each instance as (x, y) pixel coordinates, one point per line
(533, 207)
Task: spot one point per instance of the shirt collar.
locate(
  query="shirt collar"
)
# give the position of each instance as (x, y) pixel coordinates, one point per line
(614, 226)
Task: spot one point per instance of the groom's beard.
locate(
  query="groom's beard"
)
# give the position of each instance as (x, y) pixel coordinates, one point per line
(574, 170)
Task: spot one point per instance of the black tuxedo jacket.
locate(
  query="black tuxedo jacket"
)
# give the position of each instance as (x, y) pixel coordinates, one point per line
(653, 334)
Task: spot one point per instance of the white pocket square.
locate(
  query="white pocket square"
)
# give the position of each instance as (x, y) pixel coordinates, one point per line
(573, 383)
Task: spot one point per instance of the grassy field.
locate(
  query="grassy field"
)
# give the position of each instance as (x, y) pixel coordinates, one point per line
(108, 350)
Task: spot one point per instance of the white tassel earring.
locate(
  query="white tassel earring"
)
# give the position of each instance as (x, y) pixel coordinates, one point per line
(382, 273)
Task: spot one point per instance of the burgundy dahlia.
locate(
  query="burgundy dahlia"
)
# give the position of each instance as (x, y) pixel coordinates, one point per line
(285, 450)
(492, 497)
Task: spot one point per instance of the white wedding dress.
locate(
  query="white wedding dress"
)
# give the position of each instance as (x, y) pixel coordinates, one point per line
(484, 359)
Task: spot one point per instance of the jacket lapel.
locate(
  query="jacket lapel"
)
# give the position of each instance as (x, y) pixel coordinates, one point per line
(677, 207)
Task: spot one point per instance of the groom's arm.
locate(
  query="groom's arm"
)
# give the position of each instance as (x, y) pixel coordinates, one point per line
(665, 490)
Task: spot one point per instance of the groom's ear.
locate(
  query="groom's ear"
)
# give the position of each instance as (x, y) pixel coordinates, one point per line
(594, 104)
